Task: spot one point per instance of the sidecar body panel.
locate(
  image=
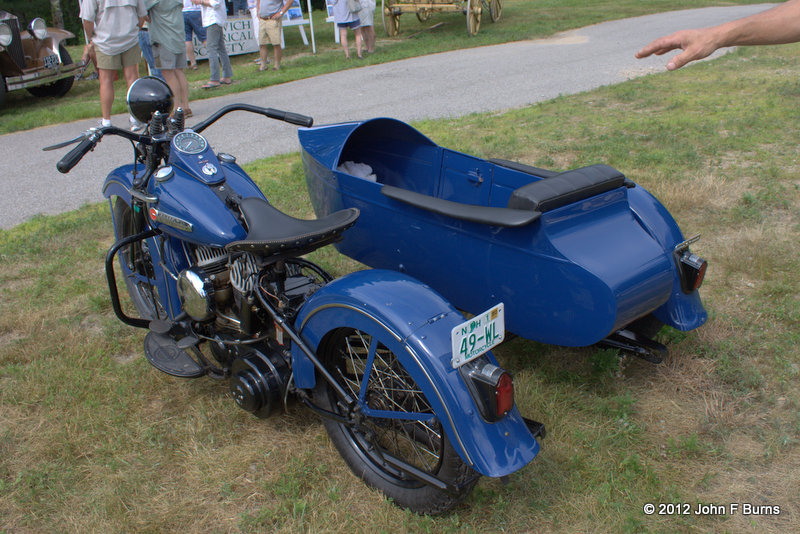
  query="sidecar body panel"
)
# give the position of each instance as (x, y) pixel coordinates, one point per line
(571, 277)
(414, 322)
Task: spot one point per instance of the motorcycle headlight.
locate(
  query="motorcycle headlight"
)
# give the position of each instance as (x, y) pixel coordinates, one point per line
(5, 35)
(38, 28)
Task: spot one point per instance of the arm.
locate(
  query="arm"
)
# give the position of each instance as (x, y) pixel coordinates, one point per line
(778, 25)
(283, 10)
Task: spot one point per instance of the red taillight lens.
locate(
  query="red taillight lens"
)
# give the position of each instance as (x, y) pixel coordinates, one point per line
(693, 270)
(492, 388)
(504, 394)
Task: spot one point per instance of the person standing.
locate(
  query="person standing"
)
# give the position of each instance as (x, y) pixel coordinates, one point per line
(344, 19)
(366, 17)
(270, 14)
(112, 33)
(214, 16)
(192, 23)
(169, 50)
(147, 51)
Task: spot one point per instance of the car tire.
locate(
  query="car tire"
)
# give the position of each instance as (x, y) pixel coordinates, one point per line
(60, 87)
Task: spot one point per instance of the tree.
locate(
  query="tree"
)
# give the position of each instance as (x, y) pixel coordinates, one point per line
(57, 14)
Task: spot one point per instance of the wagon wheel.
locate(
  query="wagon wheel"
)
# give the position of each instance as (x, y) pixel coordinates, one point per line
(424, 14)
(391, 22)
(473, 16)
(495, 9)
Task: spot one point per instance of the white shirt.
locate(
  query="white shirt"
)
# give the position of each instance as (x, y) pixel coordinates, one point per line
(215, 13)
(116, 23)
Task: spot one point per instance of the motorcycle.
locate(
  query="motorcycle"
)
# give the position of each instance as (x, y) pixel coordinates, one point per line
(217, 277)
(577, 258)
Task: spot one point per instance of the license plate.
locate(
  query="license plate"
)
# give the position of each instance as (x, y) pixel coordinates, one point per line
(478, 335)
(50, 61)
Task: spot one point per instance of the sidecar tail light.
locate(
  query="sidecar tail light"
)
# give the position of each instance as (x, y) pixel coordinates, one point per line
(693, 271)
(491, 387)
(504, 394)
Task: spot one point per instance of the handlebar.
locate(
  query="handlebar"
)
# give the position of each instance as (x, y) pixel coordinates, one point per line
(93, 136)
(72, 158)
(286, 116)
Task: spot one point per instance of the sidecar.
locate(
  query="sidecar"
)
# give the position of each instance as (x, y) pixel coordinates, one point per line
(575, 256)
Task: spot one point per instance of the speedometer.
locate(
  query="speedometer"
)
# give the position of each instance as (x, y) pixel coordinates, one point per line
(189, 142)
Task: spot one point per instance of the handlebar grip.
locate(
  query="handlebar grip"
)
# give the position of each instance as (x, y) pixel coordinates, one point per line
(72, 158)
(299, 120)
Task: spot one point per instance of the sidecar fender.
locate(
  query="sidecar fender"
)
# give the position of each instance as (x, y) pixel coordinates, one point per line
(682, 311)
(415, 323)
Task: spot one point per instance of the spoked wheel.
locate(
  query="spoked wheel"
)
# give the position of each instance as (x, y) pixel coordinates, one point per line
(473, 16)
(423, 14)
(391, 22)
(137, 266)
(495, 9)
(398, 422)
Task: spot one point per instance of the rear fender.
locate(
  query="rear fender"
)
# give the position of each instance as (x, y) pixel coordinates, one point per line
(681, 311)
(415, 323)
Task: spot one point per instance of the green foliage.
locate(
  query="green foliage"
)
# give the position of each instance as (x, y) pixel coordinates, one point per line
(28, 10)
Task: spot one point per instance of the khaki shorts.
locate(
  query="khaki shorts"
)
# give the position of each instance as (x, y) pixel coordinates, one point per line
(269, 32)
(167, 60)
(130, 57)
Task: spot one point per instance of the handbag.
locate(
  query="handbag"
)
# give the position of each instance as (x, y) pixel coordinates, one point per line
(354, 6)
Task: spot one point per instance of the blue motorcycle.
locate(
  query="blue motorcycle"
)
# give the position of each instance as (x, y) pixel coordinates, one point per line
(408, 390)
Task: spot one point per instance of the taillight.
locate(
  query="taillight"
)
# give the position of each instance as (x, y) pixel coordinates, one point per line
(693, 271)
(492, 388)
(504, 394)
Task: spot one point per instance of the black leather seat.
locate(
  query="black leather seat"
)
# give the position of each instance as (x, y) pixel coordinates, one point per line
(270, 231)
(567, 187)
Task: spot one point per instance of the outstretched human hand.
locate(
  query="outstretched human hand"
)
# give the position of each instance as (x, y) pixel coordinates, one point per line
(696, 44)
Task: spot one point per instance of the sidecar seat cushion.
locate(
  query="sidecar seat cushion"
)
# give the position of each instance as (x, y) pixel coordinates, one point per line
(566, 188)
(270, 231)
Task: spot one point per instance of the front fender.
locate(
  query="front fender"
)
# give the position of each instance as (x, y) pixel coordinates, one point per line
(415, 323)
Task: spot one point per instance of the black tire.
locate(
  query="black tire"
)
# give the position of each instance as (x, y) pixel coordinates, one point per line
(648, 326)
(137, 265)
(59, 87)
(420, 443)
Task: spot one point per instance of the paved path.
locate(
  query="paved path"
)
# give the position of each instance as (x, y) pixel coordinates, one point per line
(449, 84)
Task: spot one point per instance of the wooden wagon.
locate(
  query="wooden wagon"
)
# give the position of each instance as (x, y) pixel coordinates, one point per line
(392, 9)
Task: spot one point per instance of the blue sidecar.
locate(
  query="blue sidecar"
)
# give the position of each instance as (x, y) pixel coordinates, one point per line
(575, 256)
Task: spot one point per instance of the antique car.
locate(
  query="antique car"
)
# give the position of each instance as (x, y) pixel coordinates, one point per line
(34, 59)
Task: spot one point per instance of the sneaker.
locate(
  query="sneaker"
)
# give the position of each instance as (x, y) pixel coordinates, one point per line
(104, 123)
(136, 126)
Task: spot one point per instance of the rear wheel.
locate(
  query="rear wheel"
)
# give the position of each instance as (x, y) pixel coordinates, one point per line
(391, 22)
(473, 16)
(397, 420)
(137, 265)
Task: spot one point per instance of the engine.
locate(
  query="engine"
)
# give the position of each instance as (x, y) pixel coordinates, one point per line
(216, 290)
(220, 293)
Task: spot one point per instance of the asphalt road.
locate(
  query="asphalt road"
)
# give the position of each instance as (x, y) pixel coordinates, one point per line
(449, 84)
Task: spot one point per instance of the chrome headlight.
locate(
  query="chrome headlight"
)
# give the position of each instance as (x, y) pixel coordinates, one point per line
(38, 28)
(5, 35)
